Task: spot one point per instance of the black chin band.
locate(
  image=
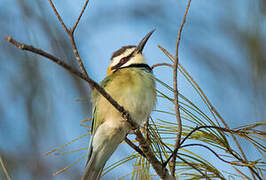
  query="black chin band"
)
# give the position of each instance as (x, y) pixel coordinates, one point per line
(146, 66)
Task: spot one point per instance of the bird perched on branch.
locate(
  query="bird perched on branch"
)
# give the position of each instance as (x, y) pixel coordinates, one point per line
(131, 83)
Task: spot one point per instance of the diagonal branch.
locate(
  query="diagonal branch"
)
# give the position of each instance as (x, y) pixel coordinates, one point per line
(58, 16)
(133, 146)
(156, 164)
(4, 168)
(71, 33)
(80, 15)
(177, 111)
(77, 73)
(78, 58)
(144, 145)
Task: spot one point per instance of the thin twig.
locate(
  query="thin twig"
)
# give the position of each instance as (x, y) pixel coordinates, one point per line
(73, 42)
(58, 16)
(177, 111)
(239, 132)
(78, 58)
(80, 15)
(217, 155)
(71, 34)
(4, 168)
(193, 166)
(239, 172)
(161, 64)
(211, 127)
(133, 146)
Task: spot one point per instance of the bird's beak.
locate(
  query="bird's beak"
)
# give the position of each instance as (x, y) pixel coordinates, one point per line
(142, 43)
(109, 70)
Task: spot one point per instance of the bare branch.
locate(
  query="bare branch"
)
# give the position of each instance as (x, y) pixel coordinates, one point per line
(218, 156)
(58, 16)
(4, 168)
(80, 15)
(78, 58)
(71, 34)
(177, 111)
(77, 73)
(162, 64)
(239, 132)
(157, 166)
(144, 146)
(133, 146)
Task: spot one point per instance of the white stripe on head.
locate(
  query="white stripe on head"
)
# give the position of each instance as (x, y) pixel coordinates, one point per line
(137, 59)
(116, 59)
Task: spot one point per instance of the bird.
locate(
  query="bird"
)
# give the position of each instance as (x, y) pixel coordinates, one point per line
(130, 82)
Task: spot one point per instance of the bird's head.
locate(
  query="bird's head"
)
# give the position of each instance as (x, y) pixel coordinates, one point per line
(128, 55)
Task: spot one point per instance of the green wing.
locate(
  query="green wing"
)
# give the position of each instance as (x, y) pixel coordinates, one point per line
(96, 122)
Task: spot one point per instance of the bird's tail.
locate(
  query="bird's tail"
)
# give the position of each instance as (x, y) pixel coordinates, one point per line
(101, 148)
(92, 173)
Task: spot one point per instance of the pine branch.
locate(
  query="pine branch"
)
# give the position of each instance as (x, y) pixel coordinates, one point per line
(177, 111)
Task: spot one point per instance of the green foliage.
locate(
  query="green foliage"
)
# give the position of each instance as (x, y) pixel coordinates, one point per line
(161, 134)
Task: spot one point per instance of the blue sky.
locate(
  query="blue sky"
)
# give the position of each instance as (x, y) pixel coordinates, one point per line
(210, 49)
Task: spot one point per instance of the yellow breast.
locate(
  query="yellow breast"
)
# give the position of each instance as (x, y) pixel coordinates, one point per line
(132, 88)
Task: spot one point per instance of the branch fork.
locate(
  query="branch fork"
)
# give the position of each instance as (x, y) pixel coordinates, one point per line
(144, 145)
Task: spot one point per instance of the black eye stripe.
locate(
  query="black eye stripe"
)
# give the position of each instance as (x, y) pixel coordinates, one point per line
(122, 61)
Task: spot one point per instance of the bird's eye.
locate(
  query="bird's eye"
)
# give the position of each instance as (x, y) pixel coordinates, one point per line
(123, 60)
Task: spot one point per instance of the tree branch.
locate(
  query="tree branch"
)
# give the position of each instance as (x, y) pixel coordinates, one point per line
(144, 146)
(71, 34)
(80, 15)
(217, 155)
(210, 127)
(177, 111)
(156, 164)
(58, 16)
(4, 168)
(92, 83)
(161, 64)
(133, 146)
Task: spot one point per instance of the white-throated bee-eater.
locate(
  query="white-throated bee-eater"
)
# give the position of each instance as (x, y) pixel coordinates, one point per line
(131, 83)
